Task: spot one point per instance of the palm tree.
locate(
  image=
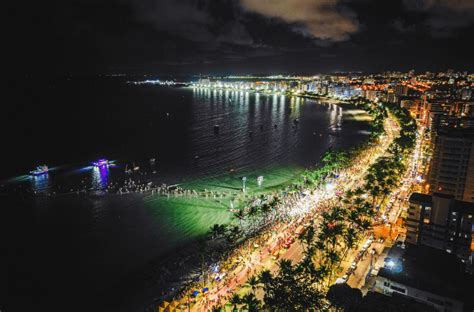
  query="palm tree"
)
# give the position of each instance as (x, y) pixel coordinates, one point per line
(307, 236)
(365, 225)
(359, 192)
(217, 230)
(375, 192)
(240, 215)
(265, 208)
(291, 290)
(385, 192)
(217, 309)
(350, 194)
(369, 180)
(233, 234)
(350, 238)
(235, 300)
(251, 303)
(265, 277)
(253, 283)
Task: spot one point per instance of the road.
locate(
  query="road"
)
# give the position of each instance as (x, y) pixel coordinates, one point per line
(361, 277)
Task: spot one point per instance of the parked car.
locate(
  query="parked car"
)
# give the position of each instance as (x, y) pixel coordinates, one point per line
(354, 265)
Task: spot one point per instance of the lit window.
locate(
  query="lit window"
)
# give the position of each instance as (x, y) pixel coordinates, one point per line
(426, 221)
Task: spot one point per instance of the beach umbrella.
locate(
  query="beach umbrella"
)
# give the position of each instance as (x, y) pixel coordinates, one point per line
(205, 289)
(195, 293)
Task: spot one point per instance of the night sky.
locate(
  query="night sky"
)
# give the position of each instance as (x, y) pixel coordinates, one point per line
(238, 36)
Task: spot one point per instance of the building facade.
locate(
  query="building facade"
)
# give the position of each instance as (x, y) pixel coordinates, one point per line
(441, 222)
(452, 167)
(388, 286)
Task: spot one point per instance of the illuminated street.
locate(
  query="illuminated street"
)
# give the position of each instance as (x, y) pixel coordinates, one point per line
(308, 208)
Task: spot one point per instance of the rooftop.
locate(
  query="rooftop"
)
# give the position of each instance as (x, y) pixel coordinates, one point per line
(420, 198)
(376, 302)
(431, 270)
(458, 205)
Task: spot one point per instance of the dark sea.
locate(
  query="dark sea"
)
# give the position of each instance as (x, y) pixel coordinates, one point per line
(62, 248)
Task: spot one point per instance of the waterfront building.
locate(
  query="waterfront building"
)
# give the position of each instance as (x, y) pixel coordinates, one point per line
(442, 222)
(451, 169)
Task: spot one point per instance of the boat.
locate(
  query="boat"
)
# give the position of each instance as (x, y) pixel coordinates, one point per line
(43, 169)
(135, 167)
(101, 163)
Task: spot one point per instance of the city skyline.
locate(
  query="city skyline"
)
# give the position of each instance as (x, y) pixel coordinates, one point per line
(238, 155)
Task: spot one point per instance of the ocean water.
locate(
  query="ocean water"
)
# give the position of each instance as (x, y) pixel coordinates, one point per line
(63, 247)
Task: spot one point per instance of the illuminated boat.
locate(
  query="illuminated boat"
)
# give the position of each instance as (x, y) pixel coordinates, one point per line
(39, 170)
(101, 163)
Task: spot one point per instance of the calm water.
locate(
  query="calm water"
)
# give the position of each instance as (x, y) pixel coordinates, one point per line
(66, 247)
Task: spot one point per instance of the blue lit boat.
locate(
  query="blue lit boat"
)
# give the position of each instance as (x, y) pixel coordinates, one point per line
(43, 169)
(101, 163)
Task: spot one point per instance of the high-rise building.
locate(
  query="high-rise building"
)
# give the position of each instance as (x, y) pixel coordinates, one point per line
(442, 222)
(400, 90)
(452, 167)
(466, 94)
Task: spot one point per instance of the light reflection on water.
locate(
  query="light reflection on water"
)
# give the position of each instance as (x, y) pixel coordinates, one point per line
(100, 176)
(41, 183)
(257, 131)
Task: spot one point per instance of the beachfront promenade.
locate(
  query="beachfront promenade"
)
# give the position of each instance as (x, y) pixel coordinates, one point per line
(264, 251)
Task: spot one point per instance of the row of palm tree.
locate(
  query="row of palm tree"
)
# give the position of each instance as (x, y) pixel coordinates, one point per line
(301, 287)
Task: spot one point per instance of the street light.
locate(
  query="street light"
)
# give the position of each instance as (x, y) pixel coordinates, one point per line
(329, 187)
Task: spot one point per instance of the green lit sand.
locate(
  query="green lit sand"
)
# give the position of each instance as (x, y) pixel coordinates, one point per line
(183, 218)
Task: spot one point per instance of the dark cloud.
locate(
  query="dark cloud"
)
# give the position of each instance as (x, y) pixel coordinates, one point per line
(230, 36)
(323, 19)
(402, 26)
(444, 16)
(200, 21)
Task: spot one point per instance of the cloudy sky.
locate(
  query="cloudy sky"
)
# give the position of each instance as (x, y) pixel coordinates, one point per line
(240, 36)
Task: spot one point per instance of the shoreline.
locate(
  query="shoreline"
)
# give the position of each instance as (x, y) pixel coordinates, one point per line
(184, 248)
(293, 181)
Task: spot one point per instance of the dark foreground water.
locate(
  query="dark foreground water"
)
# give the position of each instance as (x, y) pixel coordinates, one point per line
(63, 249)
